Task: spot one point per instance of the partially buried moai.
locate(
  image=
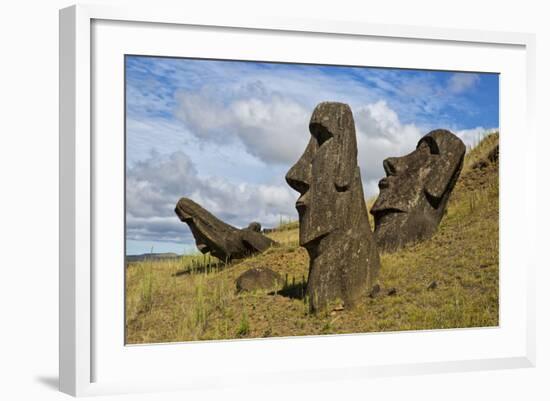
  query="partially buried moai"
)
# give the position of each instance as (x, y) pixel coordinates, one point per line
(334, 222)
(414, 193)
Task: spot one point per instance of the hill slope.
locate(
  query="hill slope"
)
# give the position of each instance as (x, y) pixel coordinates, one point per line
(448, 281)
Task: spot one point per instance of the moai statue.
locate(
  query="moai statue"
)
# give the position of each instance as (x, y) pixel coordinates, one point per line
(334, 222)
(414, 193)
(220, 239)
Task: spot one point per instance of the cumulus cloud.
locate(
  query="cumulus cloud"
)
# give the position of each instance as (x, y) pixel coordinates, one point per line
(381, 134)
(271, 126)
(471, 137)
(461, 82)
(154, 185)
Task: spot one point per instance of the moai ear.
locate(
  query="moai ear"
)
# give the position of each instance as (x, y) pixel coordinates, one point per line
(346, 144)
(449, 150)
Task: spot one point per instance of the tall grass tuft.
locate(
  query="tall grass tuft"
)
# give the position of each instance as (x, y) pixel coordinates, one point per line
(244, 325)
(146, 286)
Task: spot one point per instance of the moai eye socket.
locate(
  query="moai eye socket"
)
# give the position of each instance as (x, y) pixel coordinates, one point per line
(320, 133)
(431, 143)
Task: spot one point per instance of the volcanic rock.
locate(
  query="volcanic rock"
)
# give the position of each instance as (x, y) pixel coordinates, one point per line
(259, 279)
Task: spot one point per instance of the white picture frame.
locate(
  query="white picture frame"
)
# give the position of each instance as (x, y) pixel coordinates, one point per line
(83, 350)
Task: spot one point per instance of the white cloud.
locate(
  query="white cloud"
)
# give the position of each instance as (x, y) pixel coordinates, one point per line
(380, 134)
(471, 137)
(272, 127)
(461, 82)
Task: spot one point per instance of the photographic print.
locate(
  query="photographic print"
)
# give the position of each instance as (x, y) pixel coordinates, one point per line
(272, 199)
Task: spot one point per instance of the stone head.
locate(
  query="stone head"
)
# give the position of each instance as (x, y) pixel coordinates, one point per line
(219, 238)
(325, 171)
(199, 221)
(414, 193)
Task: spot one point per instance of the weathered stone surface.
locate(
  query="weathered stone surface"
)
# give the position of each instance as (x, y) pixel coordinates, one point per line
(334, 222)
(259, 279)
(220, 239)
(414, 193)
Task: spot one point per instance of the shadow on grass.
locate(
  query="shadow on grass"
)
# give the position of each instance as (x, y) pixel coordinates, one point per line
(292, 291)
(198, 269)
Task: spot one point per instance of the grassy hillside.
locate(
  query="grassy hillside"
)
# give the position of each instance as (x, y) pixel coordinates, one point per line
(448, 281)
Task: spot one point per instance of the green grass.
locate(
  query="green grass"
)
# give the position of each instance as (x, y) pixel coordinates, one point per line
(194, 297)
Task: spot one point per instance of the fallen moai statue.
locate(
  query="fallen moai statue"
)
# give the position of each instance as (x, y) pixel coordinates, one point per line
(220, 239)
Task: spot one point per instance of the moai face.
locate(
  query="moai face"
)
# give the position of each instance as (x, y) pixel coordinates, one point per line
(325, 171)
(200, 222)
(414, 193)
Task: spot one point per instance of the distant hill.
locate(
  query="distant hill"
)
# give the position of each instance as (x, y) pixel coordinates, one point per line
(145, 256)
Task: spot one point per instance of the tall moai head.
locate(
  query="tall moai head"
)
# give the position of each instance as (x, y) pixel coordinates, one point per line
(414, 193)
(334, 225)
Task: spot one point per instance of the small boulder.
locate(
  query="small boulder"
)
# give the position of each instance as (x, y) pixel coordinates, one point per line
(392, 291)
(260, 278)
(375, 290)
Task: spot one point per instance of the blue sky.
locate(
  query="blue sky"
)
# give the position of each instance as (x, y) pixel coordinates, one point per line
(224, 133)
